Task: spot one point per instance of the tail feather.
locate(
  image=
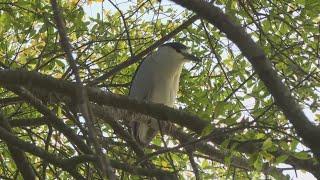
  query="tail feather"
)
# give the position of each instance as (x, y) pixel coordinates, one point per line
(144, 132)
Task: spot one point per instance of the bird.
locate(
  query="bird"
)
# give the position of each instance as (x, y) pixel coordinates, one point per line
(157, 80)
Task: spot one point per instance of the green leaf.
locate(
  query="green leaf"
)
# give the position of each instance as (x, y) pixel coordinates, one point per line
(207, 130)
(281, 159)
(227, 160)
(220, 108)
(225, 143)
(59, 111)
(294, 144)
(267, 156)
(260, 136)
(302, 155)
(258, 163)
(267, 144)
(302, 2)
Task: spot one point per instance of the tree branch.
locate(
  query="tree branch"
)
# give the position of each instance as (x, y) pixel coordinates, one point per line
(45, 83)
(17, 155)
(12, 140)
(104, 163)
(54, 120)
(262, 65)
(125, 167)
(70, 164)
(49, 84)
(139, 56)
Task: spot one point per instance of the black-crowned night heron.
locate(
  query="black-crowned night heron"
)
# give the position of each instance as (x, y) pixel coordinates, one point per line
(157, 80)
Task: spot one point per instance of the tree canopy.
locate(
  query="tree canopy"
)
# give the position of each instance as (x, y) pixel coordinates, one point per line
(250, 109)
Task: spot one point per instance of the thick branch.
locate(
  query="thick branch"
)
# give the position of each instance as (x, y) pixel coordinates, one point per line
(262, 65)
(105, 115)
(69, 165)
(218, 155)
(29, 122)
(64, 41)
(49, 84)
(18, 156)
(125, 167)
(54, 120)
(65, 88)
(81, 95)
(12, 140)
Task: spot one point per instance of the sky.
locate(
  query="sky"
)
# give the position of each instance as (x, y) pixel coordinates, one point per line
(91, 10)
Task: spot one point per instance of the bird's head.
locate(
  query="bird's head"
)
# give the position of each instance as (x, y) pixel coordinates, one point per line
(178, 50)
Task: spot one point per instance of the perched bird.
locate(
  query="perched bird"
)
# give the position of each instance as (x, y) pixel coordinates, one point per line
(157, 80)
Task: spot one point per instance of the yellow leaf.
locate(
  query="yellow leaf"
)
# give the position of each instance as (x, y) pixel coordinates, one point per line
(164, 164)
(89, 2)
(73, 1)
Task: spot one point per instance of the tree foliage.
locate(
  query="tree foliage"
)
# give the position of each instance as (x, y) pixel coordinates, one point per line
(227, 123)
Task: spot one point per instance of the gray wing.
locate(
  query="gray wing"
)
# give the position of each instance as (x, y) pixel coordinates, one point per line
(143, 127)
(141, 86)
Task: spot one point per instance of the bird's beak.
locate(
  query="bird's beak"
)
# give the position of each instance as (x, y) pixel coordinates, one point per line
(191, 57)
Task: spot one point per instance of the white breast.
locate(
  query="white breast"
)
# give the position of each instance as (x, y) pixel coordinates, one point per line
(165, 88)
(157, 79)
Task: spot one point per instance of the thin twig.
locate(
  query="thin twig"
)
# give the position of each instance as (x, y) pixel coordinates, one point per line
(139, 56)
(194, 165)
